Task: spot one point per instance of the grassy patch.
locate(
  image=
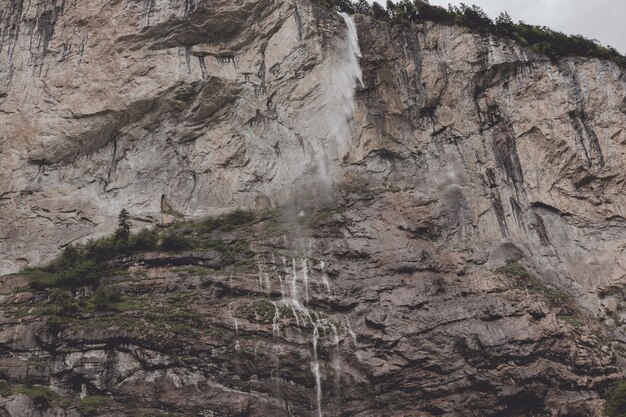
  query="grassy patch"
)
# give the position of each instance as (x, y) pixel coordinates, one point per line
(516, 270)
(41, 397)
(226, 222)
(91, 404)
(573, 320)
(388, 189)
(265, 309)
(261, 310)
(148, 312)
(513, 269)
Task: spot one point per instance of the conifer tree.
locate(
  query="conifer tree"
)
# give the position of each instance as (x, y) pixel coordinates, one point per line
(123, 226)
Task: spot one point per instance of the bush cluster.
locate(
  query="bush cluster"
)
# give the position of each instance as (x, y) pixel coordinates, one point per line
(541, 39)
(41, 397)
(615, 405)
(83, 265)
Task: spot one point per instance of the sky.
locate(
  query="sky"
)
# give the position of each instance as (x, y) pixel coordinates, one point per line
(603, 20)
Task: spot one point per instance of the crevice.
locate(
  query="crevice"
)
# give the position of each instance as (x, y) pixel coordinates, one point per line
(505, 154)
(587, 140)
(298, 18)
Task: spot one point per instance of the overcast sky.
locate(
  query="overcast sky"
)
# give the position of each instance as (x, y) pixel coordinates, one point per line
(603, 20)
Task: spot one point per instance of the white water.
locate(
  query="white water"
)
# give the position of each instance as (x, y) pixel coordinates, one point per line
(354, 50)
(297, 279)
(331, 123)
(325, 279)
(343, 82)
(294, 280)
(331, 114)
(315, 366)
(305, 279)
(275, 324)
(352, 334)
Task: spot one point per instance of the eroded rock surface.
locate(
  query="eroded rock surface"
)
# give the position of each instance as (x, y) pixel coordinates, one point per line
(396, 324)
(461, 152)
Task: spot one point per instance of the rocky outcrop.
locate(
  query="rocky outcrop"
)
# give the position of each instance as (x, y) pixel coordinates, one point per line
(457, 153)
(390, 323)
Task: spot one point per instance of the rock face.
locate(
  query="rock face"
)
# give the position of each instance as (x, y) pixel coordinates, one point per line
(456, 153)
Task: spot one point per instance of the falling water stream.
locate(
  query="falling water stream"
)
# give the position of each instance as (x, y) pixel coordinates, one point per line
(301, 276)
(345, 78)
(304, 275)
(331, 120)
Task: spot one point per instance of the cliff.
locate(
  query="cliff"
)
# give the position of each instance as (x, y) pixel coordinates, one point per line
(439, 223)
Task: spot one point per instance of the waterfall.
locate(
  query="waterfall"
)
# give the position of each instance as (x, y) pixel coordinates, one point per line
(275, 324)
(344, 81)
(334, 107)
(297, 278)
(294, 281)
(315, 366)
(325, 279)
(353, 53)
(305, 279)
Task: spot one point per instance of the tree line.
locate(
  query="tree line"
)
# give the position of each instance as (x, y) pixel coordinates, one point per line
(541, 39)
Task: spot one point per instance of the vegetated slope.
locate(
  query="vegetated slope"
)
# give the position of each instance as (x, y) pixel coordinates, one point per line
(541, 39)
(397, 325)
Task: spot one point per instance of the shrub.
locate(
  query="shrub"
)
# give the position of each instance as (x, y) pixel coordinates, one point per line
(227, 221)
(541, 39)
(55, 324)
(41, 397)
(516, 270)
(64, 302)
(91, 404)
(5, 389)
(174, 243)
(615, 405)
(236, 218)
(84, 265)
(106, 296)
(145, 240)
(265, 309)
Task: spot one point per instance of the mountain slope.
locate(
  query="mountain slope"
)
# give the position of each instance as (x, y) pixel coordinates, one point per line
(462, 198)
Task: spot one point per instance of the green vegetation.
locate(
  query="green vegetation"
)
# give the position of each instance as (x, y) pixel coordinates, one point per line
(106, 296)
(541, 39)
(62, 304)
(516, 270)
(228, 221)
(84, 265)
(157, 314)
(615, 405)
(81, 265)
(265, 309)
(91, 404)
(573, 320)
(123, 226)
(41, 397)
(387, 189)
